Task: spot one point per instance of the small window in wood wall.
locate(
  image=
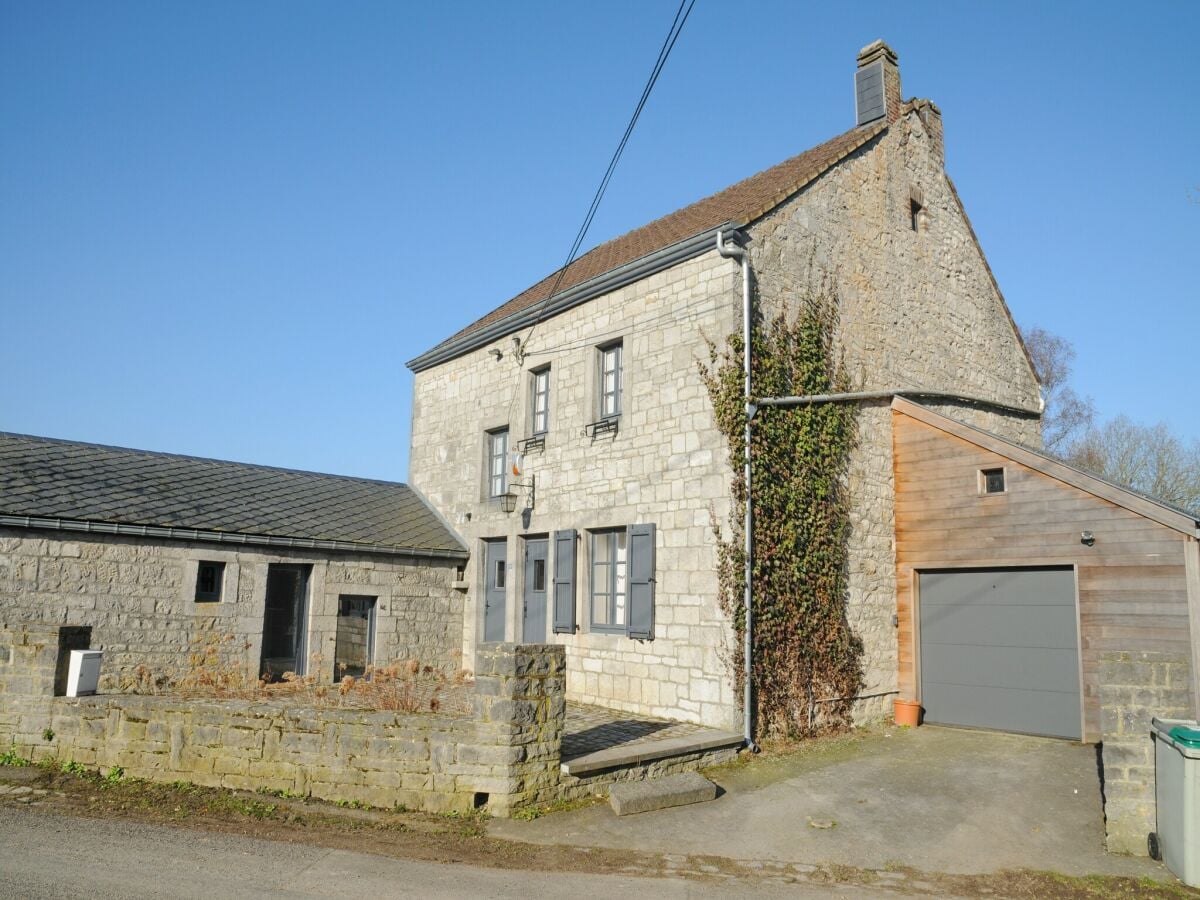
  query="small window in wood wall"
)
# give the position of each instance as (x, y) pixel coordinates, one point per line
(992, 481)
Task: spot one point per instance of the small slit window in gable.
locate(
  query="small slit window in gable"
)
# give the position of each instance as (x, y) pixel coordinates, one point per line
(991, 481)
(916, 209)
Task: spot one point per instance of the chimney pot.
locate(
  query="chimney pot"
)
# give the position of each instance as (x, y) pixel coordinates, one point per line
(876, 50)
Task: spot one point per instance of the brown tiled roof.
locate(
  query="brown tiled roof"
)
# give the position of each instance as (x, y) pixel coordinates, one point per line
(741, 204)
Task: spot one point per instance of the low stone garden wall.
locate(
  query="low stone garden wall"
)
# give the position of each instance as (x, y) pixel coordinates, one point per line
(1135, 688)
(503, 756)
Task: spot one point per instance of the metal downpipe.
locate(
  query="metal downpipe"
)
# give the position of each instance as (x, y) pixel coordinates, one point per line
(733, 251)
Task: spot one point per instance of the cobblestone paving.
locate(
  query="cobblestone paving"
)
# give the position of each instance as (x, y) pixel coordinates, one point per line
(591, 728)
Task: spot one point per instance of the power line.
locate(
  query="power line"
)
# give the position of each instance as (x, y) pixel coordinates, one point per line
(683, 315)
(681, 17)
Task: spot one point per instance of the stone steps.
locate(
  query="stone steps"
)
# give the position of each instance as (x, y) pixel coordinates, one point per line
(632, 797)
(647, 751)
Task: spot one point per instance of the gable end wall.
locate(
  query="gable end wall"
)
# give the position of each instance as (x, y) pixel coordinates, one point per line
(918, 310)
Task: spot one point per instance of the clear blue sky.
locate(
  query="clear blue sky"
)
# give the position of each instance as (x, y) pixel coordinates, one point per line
(224, 227)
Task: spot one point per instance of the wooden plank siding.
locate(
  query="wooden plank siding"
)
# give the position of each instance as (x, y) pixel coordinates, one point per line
(1132, 584)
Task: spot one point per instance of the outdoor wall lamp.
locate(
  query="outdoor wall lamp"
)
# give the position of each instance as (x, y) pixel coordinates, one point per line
(1087, 538)
(508, 501)
(498, 353)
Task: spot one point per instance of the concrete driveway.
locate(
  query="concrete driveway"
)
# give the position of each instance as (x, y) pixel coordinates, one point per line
(936, 799)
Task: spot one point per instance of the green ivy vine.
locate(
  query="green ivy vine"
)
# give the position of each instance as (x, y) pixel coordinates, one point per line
(806, 660)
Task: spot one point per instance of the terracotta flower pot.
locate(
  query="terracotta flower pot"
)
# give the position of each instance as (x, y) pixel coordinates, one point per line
(908, 712)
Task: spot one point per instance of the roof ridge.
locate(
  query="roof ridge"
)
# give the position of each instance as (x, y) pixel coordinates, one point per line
(740, 203)
(163, 454)
(868, 133)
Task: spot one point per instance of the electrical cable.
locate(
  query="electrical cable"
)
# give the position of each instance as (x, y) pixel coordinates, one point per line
(683, 316)
(681, 17)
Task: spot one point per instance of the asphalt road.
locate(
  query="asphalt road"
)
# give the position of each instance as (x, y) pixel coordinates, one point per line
(45, 855)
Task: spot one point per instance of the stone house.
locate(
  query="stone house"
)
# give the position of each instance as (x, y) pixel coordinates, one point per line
(153, 551)
(598, 536)
(566, 472)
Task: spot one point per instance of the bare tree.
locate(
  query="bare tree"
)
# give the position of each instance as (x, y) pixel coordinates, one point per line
(1067, 415)
(1148, 458)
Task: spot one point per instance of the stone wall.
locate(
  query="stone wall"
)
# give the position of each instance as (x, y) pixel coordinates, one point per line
(919, 309)
(503, 757)
(138, 596)
(520, 708)
(34, 658)
(1135, 688)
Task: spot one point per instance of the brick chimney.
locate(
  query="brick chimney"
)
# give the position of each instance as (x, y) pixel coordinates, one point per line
(877, 84)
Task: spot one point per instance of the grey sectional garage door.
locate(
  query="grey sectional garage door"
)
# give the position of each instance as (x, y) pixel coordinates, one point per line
(1000, 649)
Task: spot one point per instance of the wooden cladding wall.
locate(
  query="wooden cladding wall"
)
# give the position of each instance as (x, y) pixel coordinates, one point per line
(1132, 585)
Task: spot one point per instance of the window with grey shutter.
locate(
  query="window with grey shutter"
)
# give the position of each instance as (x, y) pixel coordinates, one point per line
(640, 617)
(564, 581)
(610, 580)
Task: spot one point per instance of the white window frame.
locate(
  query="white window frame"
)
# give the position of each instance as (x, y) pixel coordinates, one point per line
(608, 558)
(540, 401)
(611, 379)
(497, 458)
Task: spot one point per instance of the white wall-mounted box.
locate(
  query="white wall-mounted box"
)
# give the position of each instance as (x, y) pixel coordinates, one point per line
(83, 672)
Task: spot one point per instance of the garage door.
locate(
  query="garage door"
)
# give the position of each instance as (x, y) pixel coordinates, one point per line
(1000, 649)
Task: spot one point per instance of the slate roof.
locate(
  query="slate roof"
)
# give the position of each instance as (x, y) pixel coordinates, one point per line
(738, 204)
(44, 478)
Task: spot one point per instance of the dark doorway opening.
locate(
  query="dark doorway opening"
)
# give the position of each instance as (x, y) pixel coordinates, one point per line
(285, 622)
(354, 648)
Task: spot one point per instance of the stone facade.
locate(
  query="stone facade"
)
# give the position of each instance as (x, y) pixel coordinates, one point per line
(138, 596)
(504, 756)
(1135, 688)
(666, 466)
(919, 311)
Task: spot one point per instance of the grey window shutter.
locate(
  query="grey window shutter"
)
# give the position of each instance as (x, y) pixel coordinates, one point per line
(640, 617)
(564, 581)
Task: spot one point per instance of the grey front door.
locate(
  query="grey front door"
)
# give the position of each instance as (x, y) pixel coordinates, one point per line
(495, 579)
(533, 631)
(999, 648)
